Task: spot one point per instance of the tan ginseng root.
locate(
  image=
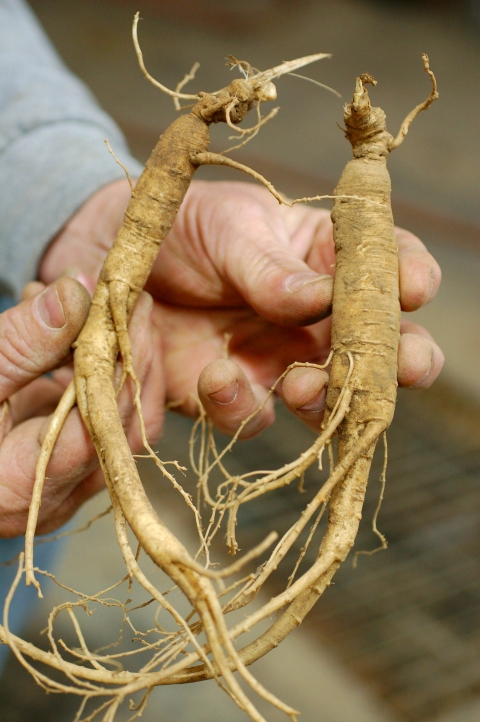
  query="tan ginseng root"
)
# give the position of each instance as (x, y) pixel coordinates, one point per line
(363, 378)
(365, 325)
(151, 212)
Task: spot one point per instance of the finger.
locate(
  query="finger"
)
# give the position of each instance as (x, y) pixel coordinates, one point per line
(228, 398)
(73, 458)
(35, 287)
(420, 274)
(40, 398)
(304, 391)
(147, 363)
(81, 492)
(153, 394)
(32, 289)
(36, 335)
(420, 359)
(281, 287)
(77, 273)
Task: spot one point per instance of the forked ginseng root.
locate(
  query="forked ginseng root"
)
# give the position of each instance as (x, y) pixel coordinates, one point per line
(360, 405)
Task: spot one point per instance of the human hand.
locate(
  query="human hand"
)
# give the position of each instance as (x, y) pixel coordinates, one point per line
(35, 337)
(237, 263)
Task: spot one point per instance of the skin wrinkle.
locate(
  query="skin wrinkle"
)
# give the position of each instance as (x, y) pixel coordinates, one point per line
(266, 258)
(259, 226)
(264, 279)
(321, 257)
(255, 229)
(15, 361)
(195, 279)
(21, 327)
(16, 499)
(245, 199)
(21, 492)
(264, 272)
(9, 376)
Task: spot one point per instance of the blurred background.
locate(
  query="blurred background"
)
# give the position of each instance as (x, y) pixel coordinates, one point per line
(398, 638)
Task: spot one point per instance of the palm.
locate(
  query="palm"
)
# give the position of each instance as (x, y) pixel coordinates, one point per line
(194, 338)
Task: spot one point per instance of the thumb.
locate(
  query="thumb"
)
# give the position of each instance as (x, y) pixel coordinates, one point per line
(36, 335)
(276, 283)
(287, 292)
(255, 253)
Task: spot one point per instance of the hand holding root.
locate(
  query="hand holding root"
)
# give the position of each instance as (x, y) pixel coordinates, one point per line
(274, 300)
(359, 403)
(238, 264)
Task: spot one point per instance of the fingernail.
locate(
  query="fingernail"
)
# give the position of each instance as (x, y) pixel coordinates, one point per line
(50, 308)
(297, 281)
(317, 404)
(226, 395)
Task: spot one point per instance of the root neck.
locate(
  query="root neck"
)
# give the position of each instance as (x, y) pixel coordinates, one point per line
(365, 127)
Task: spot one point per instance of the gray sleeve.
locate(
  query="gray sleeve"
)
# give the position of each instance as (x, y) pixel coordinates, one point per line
(52, 154)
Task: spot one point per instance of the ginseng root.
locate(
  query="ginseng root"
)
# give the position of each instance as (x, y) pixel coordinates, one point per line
(365, 327)
(363, 378)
